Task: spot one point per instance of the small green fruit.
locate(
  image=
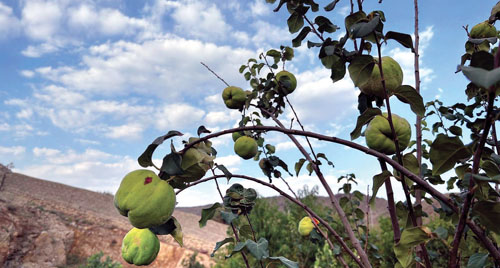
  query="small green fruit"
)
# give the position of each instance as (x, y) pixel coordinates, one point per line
(306, 226)
(234, 97)
(236, 135)
(140, 246)
(245, 147)
(393, 75)
(379, 135)
(288, 81)
(145, 199)
(483, 30)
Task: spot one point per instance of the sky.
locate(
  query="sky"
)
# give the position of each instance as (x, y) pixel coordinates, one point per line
(87, 85)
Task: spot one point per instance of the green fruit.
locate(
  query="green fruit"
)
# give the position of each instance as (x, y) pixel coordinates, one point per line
(234, 97)
(306, 226)
(140, 246)
(379, 135)
(195, 163)
(236, 135)
(393, 75)
(287, 80)
(471, 47)
(145, 199)
(483, 30)
(245, 147)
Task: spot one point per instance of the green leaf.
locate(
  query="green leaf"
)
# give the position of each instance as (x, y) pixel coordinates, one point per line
(309, 168)
(441, 232)
(488, 213)
(477, 260)
(331, 6)
(403, 39)
(481, 77)
(297, 41)
(145, 160)
(203, 129)
(171, 165)
(409, 95)
(224, 170)
(246, 231)
(361, 68)
(322, 155)
(220, 244)
(208, 213)
(490, 168)
(363, 119)
(325, 25)
(288, 263)
(242, 68)
(177, 233)
(295, 22)
(299, 165)
(445, 152)
(457, 131)
(338, 69)
(362, 29)
(270, 149)
(228, 217)
(410, 237)
(378, 181)
(259, 250)
(164, 229)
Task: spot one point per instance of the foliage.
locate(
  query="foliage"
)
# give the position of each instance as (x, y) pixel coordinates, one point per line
(192, 262)
(95, 261)
(462, 139)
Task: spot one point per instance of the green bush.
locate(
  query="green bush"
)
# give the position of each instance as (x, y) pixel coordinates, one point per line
(95, 261)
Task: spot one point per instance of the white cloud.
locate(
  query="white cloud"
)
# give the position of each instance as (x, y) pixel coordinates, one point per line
(317, 98)
(406, 59)
(27, 73)
(269, 35)
(9, 23)
(132, 131)
(91, 169)
(14, 150)
(231, 162)
(169, 68)
(41, 19)
(200, 20)
(260, 8)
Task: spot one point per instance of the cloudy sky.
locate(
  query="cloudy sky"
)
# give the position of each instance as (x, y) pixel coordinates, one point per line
(86, 85)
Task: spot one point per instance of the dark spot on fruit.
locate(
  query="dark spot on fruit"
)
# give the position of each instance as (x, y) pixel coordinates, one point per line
(148, 180)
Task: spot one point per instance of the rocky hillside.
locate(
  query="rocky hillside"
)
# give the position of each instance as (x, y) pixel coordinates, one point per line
(47, 224)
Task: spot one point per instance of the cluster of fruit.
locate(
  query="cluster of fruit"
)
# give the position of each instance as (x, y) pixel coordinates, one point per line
(148, 202)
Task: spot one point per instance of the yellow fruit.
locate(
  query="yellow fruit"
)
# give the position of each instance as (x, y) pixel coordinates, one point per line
(140, 246)
(378, 134)
(306, 226)
(234, 97)
(393, 75)
(287, 80)
(145, 199)
(246, 147)
(483, 30)
(471, 48)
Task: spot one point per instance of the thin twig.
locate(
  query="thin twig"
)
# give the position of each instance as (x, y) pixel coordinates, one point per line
(390, 204)
(206, 66)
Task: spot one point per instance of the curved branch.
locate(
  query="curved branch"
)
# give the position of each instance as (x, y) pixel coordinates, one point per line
(296, 201)
(415, 178)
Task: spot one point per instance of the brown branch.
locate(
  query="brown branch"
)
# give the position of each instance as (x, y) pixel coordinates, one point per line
(220, 78)
(391, 205)
(424, 185)
(453, 262)
(339, 239)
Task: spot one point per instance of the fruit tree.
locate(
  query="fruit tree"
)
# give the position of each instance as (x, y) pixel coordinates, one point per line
(148, 199)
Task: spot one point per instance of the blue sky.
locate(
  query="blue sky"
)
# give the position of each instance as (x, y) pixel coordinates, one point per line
(87, 85)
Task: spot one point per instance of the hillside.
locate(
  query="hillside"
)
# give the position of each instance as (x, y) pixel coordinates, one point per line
(47, 224)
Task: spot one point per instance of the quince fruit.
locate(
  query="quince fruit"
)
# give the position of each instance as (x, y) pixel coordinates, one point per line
(306, 226)
(393, 75)
(471, 47)
(145, 199)
(483, 30)
(287, 80)
(245, 147)
(379, 135)
(234, 97)
(196, 161)
(140, 246)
